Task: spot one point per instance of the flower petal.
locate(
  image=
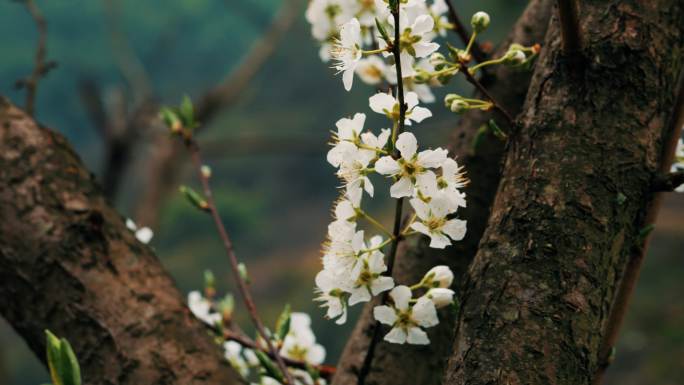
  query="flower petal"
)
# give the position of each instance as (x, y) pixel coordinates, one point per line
(455, 229)
(401, 296)
(387, 166)
(407, 144)
(402, 188)
(418, 114)
(382, 102)
(384, 314)
(417, 336)
(424, 312)
(396, 336)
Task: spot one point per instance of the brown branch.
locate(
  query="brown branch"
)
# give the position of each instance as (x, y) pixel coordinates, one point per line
(129, 64)
(162, 174)
(472, 80)
(40, 67)
(463, 32)
(668, 182)
(396, 231)
(570, 31)
(196, 157)
(326, 371)
(631, 275)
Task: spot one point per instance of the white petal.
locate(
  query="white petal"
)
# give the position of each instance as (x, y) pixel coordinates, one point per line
(422, 25)
(384, 314)
(381, 284)
(144, 235)
(421, 228)
(411, 99)
(407, 144)
(382, 103)
(422, 209)
(368, 186)
(315, 355)
(396, 336)
(439, 240)
(432, 158)
(359, 294)
(401, 296)
(424, 312)
(417, 336)
(424, 49)
(387, 166)
(455, 229)
(350, 33)
(402, 188)
(418, 114)
(131, 225)
(348, 78)
(407, 61)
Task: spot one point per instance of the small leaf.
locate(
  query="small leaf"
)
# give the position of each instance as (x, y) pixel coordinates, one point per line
(283, 323)
(71, 371)
(382, 31)
(170, 119)
(194, 197)
(269, 367)
(187, 112)
(53, 357)
(496, 130)
(242, 270)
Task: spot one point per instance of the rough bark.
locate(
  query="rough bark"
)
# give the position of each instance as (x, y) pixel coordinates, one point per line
(395, 364)
(68, 264)
(571, 202)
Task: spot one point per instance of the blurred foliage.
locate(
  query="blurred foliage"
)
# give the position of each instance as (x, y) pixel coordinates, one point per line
(275, 204)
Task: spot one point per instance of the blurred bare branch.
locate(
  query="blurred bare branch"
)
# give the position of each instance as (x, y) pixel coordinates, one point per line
(41, 67)
(163, 165)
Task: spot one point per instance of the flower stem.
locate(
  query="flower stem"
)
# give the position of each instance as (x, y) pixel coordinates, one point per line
(196, 157)
(375, 223)
(471, 41)
(396, 131)
(376, 51)
(486, 63)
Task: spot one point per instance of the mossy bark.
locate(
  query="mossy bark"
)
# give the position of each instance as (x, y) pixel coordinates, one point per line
(410, 364)
(574, 192)
(69, 264)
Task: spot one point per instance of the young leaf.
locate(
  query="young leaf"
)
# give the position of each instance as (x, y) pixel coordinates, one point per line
(71, 371)
(283, 323)
(194, 198)
(53, 357)
(187, 112)
(269, 367)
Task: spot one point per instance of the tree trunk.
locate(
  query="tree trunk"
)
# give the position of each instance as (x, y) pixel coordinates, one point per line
(68, 264)
(572, 199)
(409, 364)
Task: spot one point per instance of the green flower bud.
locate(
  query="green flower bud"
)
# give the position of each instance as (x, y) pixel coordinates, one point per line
(459, 106)
(480, 21)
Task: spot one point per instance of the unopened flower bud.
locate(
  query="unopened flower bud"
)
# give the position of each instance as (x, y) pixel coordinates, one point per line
(440, 297)
(480, 21)
(438, 276)
(422, 76)
(515, 57)
(458, 106)
(436, 59)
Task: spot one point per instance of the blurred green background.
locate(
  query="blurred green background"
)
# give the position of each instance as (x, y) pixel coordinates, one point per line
(275, 198)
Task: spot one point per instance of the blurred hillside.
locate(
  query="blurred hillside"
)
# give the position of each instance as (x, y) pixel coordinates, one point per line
(275, 199)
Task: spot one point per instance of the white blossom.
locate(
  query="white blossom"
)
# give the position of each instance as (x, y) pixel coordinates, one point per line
(407, 320)
(367, 274)
(440, 297)
(233, 353)
(143, 234)
(415, 40)
(300, 341)
(201, 308)
(347, 51)
(679, 162)
(434, 223)
(331, 293)
(439, 276)
(387, 105)
(371, 70)
(412, 167)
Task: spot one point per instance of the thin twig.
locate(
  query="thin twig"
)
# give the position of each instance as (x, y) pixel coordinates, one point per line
(396, 231)
(668, 182)
(464, 33)
(570, 30)
(194, 151)
(472, 80)
(631, 275)
(326, 371)
(40, 66)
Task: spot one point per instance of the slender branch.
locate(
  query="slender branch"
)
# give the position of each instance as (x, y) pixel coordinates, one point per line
(396, 231)
(326, 371)
(464, 33)
(194, 151)
(472, 80)
(570, 30)
(631, 275)
(668, 182)
(40, 67)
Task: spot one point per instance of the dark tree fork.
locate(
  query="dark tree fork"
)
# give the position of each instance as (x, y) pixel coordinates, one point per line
(565, 237)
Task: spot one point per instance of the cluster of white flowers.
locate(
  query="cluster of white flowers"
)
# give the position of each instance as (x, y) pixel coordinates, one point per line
(354, 260)
(679, 162)
(298, 344)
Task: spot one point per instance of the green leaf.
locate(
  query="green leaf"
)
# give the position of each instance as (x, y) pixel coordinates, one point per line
(62, 362)
(170, 119)
(71, 371)
(496, 130)
(283, 323)
(269, 367)
(187, 112)
(382, 31)
(194, 198)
